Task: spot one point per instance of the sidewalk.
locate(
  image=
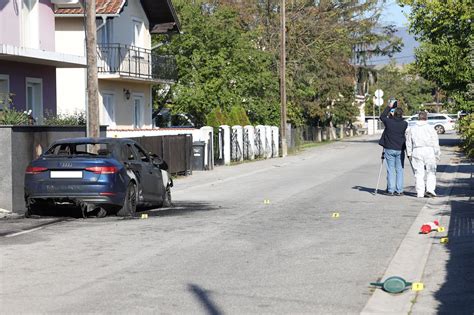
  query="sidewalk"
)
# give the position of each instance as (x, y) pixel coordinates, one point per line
(449, 273)
(446, 270)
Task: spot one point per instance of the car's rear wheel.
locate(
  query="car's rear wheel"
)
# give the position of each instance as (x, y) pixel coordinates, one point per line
(167, 197)
(439, 129)
(129, 207)
(35, 208)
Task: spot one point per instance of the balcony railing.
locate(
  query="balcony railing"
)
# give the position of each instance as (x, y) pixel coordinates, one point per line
(135, 62)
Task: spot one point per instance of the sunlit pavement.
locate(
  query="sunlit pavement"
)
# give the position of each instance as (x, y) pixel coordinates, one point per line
(222, 249)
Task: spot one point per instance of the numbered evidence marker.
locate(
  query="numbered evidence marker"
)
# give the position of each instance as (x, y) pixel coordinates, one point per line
(441, 229)
(266, 201)
(417, 286)
(335, 215)
(144, 216)
(444, 240)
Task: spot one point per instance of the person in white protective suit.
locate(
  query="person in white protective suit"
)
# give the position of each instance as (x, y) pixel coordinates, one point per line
(422, 145)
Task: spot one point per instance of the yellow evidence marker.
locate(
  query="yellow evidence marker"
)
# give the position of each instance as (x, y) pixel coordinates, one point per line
(144, 216)
(266, 201)
(441, 229)
(417, 286)
(335, 215)
(444, 240)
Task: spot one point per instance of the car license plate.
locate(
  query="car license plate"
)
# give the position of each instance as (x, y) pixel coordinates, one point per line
(66, 174)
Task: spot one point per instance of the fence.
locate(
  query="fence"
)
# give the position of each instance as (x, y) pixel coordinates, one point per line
(299, 135)
(245, 143)
(135, 62)
(175, 150)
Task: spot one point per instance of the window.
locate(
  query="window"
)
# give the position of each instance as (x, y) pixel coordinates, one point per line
(34, 98)
(4, 91)
(137, 33)
(70, 149)
(142, 154)
(108, 111)
(127, 153)
(137, 112)
(30, 23)
(104, 35)
(436, 118)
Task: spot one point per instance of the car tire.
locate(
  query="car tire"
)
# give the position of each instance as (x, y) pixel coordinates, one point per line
(129, 207)
(34, 209)
(439, 129)
(167, 198)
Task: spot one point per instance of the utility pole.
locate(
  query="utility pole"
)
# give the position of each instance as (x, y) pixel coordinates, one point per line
(93, 128)
(284, 147)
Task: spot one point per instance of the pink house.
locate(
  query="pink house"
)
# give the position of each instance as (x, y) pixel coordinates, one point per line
(28, 60)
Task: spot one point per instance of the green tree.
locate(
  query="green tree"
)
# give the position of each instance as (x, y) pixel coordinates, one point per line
(445, 30)
(220, 65)
(446, 53)
(405, 85)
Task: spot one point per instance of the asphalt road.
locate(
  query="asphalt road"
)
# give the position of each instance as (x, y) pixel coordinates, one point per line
(221, 249)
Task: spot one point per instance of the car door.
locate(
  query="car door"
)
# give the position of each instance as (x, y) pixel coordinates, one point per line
(151, 176)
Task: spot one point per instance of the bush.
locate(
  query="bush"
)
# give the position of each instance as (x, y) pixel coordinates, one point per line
(75, 119)
(13, 117)
(236, 116)
(466, 128)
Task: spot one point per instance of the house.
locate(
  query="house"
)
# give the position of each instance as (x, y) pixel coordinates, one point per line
(28, 59)
(127, 65)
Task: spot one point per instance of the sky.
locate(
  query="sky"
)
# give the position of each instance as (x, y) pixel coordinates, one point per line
(393, 14)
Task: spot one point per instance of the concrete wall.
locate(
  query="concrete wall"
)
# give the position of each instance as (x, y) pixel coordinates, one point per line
(18, 72)
(21, 145)
(6, 169)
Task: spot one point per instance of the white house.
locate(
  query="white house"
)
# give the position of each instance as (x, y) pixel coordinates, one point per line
(127, 65)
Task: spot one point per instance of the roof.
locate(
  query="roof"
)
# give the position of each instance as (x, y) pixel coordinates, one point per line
(101, 7)
(161, 13)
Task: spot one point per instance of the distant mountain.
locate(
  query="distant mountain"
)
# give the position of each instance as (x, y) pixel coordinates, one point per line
(407, 55)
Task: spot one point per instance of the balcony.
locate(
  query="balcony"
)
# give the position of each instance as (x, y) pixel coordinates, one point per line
(125, 62)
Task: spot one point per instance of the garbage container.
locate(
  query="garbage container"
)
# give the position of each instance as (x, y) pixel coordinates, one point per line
(198, 155)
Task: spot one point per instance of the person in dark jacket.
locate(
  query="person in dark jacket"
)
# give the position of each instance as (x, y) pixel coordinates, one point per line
(393, 142)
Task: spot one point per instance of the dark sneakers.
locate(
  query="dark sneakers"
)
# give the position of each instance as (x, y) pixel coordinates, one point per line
(430, 194)
(396, 193)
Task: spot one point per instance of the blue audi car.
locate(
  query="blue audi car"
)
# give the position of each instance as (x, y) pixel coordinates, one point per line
(99, 175)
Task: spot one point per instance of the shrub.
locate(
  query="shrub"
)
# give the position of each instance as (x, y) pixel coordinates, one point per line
(75, 119)
(13, 117)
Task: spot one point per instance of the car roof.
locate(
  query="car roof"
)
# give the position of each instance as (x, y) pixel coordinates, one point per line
(94, 140)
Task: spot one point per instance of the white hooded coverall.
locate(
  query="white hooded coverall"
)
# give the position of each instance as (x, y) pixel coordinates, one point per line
(423, 146)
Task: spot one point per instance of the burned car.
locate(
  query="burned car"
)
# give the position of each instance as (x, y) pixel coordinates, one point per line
(100, 175)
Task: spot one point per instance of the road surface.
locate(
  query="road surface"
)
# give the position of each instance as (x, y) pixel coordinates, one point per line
(221, 248)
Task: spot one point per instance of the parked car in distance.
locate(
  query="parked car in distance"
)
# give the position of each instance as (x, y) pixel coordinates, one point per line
(440, 122)
(100, 175)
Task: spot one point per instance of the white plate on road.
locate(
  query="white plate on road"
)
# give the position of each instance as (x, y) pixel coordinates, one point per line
(66, 174)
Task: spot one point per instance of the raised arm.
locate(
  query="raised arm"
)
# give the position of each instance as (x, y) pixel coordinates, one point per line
(384, 115)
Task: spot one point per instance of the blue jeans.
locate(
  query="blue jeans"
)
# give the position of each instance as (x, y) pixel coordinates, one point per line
(394, 160)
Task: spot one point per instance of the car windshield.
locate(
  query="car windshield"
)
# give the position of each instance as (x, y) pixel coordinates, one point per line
(79, 149)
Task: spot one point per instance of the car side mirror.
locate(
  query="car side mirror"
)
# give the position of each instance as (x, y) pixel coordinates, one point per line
(160, 163)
